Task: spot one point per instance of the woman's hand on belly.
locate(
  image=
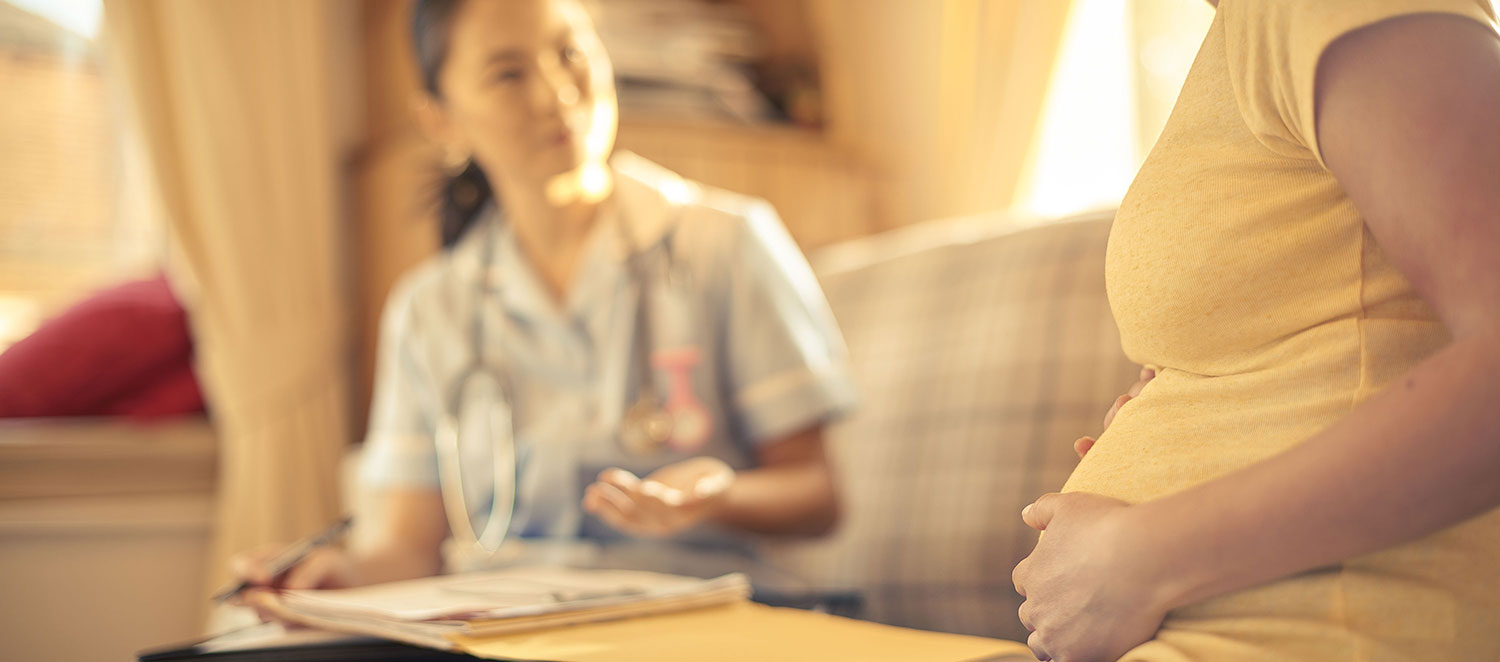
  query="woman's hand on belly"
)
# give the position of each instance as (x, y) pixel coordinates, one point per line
(1090, 584)
(674, 498)
(1083, 444)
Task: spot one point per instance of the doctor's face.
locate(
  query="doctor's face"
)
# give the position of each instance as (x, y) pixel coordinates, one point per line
(527, 89)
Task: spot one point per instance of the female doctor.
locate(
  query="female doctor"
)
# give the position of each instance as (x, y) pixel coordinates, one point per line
(603, 350)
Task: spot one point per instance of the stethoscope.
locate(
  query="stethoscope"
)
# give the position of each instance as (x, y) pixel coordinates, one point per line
(646, 426)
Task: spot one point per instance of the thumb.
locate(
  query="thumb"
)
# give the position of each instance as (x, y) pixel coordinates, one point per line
(712, 485)
(1040, 512)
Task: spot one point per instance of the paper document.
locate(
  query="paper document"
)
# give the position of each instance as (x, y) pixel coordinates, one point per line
(569, 615)
(432, 610)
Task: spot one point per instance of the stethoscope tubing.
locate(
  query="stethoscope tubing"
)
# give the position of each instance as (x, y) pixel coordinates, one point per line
(487, 542)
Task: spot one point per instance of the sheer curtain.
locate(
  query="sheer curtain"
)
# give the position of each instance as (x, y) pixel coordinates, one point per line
(1120, 67)
(247, 112)
(943, 97)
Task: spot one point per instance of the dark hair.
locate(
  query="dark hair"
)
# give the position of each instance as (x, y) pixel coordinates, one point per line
(459, 197)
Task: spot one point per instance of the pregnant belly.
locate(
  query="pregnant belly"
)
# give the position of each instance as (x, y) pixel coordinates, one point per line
(1186, 429)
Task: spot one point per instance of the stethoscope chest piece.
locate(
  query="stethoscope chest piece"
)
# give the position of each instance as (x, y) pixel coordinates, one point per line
(646, 427)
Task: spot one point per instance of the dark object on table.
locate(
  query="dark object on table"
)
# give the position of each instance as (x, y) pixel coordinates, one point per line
(296, 646)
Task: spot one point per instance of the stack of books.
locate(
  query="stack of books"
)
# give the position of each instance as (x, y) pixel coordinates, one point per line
(684, 59)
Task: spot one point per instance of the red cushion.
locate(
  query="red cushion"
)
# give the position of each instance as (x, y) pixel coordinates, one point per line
(100, 356)
(172, 393)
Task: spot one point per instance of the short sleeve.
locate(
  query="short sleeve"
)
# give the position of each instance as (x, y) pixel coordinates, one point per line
(398, 449)
(787, 364)
(1274, 47)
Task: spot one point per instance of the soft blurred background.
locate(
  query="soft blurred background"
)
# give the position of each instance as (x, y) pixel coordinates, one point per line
(206, 201)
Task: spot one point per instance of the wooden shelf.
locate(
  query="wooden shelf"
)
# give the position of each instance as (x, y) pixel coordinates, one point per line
(823, 194)
(71, 457)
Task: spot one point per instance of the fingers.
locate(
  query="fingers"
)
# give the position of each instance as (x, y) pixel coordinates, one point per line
(244, 598)
(713, 486)
(1025, 616)
(670, 500)
(1147, 375)
(601, 498)
(250, 570)
(647, 495)
(658, 494)
(1109, 416)
(622, 480)
(328, 567)
(642, 507)
(250, 566)
(611, 505)
(1135, 389)
(255, 598)
(613, 498)
(1034, 642)
(313, 572)
(1082, 446)
(1040, 512)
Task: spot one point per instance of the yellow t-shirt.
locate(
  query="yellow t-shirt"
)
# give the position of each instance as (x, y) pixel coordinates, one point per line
(1239, 268)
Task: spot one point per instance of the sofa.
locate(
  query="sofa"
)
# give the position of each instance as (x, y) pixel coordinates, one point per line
(979, 354)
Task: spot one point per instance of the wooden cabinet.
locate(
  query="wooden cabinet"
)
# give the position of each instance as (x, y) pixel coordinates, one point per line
(105, 523)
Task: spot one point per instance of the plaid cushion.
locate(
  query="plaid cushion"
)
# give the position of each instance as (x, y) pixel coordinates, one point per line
(979, 357)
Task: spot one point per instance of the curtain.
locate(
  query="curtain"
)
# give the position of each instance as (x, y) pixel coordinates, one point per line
(943, 97)
(246, 111)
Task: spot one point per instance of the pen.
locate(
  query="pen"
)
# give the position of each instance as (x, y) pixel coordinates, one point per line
(291, 556)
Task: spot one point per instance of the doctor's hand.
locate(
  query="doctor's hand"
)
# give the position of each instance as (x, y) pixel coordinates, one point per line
(1091, 586)
(1083, 444)
(324, 568)
(670, 500)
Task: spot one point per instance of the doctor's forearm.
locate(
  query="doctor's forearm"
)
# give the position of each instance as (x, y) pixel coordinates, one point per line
(1417, 458)
(791, 493)
(782, 500)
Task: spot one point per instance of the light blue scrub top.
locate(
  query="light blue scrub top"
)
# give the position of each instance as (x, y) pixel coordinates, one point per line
(733, 300)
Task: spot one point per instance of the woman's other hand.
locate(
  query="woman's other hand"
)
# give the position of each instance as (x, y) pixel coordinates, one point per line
(1083, 444)
(1091, 586)
(674, 498)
